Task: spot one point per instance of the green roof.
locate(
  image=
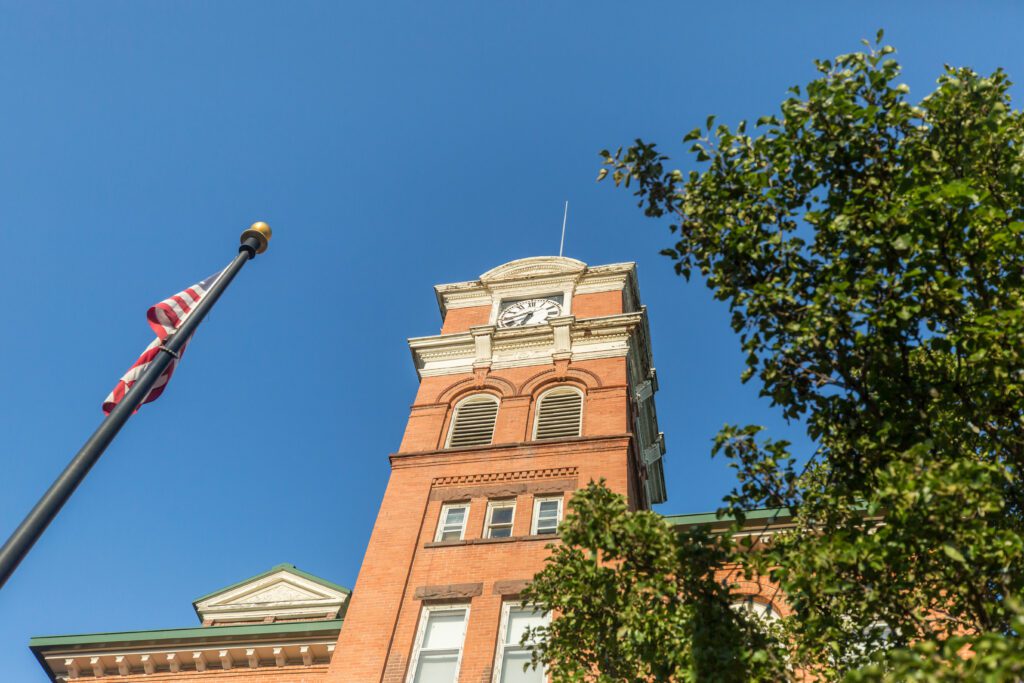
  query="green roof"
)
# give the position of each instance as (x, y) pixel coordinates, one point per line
(712, 517)
(276, 568)
(198, 632)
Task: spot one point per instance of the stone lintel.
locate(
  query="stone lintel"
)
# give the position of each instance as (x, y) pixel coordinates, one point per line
(451, 591)
(503, 490)
(510, 586)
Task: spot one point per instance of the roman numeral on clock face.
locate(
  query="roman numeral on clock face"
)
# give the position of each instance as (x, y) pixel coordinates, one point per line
(529, 312)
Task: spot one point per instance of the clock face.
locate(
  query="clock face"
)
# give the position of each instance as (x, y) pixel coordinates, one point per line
(529, 312)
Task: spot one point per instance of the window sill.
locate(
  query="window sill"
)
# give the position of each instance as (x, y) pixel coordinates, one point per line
(488, 541)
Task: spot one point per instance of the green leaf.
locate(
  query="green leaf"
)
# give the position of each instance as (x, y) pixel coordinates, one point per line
(953, 553)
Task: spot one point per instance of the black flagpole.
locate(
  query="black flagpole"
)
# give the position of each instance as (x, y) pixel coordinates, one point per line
(254, 241)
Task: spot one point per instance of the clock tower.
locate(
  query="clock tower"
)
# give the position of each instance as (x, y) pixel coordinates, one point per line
(540, 381)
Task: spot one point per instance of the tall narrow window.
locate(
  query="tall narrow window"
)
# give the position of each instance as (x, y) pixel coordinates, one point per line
(547, 513)
(499, 519)
(452, 524)
(511, 656)
(473, 422)
(559, 414)
(439, 641)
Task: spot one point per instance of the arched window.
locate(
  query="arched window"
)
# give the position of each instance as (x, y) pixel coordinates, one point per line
(473, 422)
(559, 414)
(748, 604)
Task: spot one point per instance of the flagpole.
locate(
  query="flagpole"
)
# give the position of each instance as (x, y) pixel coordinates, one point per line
(253, 241)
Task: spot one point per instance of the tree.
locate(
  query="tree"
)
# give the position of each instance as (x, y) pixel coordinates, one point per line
(636, 603)
(871, 252)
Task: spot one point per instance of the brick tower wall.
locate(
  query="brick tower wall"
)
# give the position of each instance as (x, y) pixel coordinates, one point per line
(404, 569)
(401, 558)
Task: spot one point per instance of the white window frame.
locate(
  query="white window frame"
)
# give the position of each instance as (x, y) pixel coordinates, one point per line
(444, 513)
(536, 513)
(563, 388)
(455, 415)
(499, 653)
(421, 630)
(749, 604)
(493, 505)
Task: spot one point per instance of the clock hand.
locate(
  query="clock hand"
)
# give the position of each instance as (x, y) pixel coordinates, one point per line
(520, 318)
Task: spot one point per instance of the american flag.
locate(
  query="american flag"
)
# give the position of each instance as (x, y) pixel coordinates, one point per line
(165, 317)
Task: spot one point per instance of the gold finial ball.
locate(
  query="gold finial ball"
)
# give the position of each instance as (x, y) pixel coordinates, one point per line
(261, 231)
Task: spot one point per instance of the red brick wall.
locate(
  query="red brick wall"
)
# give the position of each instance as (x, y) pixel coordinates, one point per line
(762, 588)
(380, 626)
(461, 319)
(604, 411)
(583, 306)
(597, 304)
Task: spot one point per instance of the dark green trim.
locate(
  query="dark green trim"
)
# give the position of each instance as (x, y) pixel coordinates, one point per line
(195, 633)
(714, 517)
(276, 568)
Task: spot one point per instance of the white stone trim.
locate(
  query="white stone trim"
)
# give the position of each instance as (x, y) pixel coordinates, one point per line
(536, 277)
(559, 287)
(532, 267)
(71, 668)
(451, 354)
(282, 595)
(97, 666)
(80, 665)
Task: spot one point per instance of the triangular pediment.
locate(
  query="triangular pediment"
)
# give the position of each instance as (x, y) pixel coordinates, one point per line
(282, 592)
(279, 590)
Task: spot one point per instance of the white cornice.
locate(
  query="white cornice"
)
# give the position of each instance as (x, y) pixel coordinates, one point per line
(535, 266)
(281, 594)
(539, 274)
(450, 354)
(83, 664)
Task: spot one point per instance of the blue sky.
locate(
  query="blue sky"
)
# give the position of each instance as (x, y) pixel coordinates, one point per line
(391, 147)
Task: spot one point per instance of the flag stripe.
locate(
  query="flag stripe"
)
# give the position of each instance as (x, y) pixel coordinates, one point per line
(164, 318)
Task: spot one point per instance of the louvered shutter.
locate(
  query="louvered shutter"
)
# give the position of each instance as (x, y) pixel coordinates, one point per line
(474, 422)
(559, 414)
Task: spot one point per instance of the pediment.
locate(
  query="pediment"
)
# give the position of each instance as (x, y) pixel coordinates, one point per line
(534, 266)
(282, 592)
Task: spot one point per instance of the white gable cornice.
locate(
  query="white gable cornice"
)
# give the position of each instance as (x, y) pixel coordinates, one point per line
(282, 594)
(539, 274)
(451, 354)
(535, 266)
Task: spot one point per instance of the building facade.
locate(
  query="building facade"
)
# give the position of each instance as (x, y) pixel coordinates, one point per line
(280, 626)
(540, 380)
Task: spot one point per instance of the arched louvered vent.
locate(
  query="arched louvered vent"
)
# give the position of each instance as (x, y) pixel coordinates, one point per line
(473, 424)
(559, 414)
